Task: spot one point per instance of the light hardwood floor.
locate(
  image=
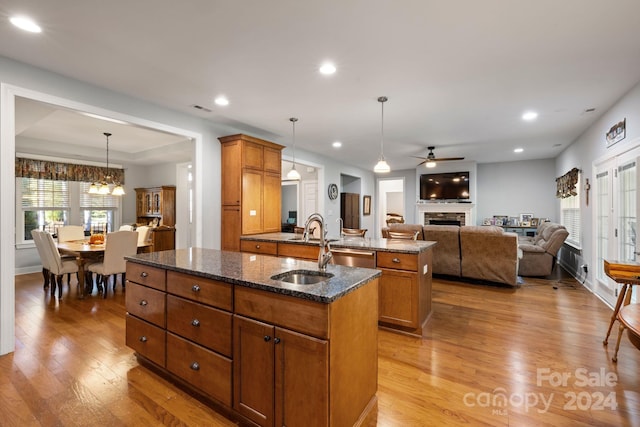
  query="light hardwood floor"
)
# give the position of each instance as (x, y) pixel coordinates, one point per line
(483, 343)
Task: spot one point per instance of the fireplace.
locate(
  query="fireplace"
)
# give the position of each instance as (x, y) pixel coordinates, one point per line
(446, 213)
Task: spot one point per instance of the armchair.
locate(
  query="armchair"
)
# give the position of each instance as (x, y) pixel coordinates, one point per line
(539, 256)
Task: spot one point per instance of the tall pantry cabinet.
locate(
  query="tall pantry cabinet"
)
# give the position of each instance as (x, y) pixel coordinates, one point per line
(251, 188)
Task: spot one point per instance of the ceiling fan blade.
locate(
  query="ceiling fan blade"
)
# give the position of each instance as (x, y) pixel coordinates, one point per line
(447, 159)
(422, 162)
(418, 157)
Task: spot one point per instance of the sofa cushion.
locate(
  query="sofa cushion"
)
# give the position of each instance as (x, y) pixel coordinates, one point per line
(489, 253)
(446, 254)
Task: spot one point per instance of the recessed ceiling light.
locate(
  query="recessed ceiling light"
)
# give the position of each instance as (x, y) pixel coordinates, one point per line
(26, 24)
(327, 68)
(518, 150)
(221, 100)
(529, 116)
(337, 144)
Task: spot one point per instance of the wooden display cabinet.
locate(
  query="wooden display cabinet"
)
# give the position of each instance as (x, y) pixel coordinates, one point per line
(156, 202)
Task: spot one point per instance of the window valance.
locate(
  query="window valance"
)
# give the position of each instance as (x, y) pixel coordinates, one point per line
(566, 184)
(43, 169)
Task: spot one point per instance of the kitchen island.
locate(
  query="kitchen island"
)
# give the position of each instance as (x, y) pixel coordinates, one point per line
(264, 351)
(405, 285)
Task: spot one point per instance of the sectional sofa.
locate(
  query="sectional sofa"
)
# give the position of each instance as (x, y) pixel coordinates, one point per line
(485, 253)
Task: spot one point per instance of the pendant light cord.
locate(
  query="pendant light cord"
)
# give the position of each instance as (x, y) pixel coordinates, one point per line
(107, 134)
(382, 100)
(293, 121)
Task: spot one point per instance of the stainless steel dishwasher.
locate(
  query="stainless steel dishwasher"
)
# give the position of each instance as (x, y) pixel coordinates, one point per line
(354, 257)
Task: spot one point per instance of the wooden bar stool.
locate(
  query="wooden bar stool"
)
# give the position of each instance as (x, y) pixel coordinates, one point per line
(629, 318)
(628, 275)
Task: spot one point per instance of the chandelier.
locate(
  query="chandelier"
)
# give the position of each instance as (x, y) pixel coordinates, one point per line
(104, 187)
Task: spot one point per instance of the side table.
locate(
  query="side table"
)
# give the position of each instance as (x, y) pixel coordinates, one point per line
(628, 275)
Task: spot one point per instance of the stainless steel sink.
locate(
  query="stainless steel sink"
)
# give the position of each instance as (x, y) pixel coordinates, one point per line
(302, 277)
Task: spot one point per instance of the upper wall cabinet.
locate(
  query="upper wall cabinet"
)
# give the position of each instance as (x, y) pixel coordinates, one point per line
(251, 192)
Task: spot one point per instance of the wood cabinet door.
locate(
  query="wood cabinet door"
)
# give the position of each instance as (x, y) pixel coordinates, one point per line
(168, 206)
(231, 228)
(140, 211)
(397, 298)
(252, 182)
(157, 202)
(231, 173)
(272, 208)
(272, 160)
(148, 203)
(301, 380)
(252, 156)
(253, 376)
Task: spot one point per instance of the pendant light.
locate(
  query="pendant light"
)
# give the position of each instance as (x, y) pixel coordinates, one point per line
(293, 174)
(104, 186)
(382, 166)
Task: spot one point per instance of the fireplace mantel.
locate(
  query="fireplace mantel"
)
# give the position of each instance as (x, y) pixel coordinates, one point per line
(467, 208)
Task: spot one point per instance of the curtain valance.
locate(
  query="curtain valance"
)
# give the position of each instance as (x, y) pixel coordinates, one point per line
(43, 169)
(566, 184)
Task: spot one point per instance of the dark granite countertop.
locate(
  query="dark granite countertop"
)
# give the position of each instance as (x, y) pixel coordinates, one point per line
(385, 245)
(255, 271)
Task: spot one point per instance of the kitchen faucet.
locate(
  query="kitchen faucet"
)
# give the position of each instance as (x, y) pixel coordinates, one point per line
(339, 219)
(325, 249)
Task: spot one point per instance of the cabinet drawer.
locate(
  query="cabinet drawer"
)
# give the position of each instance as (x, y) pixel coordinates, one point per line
(204, 325)
(397, 261)
(146, 303)
(300, 315)
(145, 275)
(264, 248)
(298, 251)
(200, 367)
(211, 292)
(146, 339)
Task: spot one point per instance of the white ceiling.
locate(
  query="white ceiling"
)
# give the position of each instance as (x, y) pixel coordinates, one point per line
(458, 74)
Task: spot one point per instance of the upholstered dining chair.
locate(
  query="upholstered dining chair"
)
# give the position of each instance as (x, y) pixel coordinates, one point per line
(126, 227)
(57, 265)
(42, 253)
(144, 232)
(403, 235)
(70, 232)
(117, 246)
(354, 232)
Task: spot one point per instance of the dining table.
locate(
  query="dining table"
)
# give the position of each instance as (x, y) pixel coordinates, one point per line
(85, 253)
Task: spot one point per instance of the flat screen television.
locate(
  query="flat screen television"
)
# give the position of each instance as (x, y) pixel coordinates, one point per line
(444, 186)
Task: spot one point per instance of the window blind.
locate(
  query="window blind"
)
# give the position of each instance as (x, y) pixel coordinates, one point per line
(96, 201)
(570, 217)
(44, 194)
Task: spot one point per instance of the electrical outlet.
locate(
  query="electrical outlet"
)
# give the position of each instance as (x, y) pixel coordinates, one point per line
(585, 268)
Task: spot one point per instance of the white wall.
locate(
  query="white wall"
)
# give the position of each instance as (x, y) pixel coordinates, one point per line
(512, 188)
(591, 145)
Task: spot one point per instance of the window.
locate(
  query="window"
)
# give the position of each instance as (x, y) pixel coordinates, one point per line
(44, 205)
(97, 210)
(570, 216)
(48, 204)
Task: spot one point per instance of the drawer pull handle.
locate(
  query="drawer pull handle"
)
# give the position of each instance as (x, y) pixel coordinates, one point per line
(257, 246)
(276, 340)
(267, 338)
(144, 303)
(195, 366)
(195, 288)
(195, 322)
(143, 339)
(396, 260)
(144, 274)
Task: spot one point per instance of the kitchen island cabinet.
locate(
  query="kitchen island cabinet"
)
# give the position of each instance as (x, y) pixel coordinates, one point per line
(266, 351)
(404, 287)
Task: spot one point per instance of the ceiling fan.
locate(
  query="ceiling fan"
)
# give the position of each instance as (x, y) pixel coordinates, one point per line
(430, 160)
